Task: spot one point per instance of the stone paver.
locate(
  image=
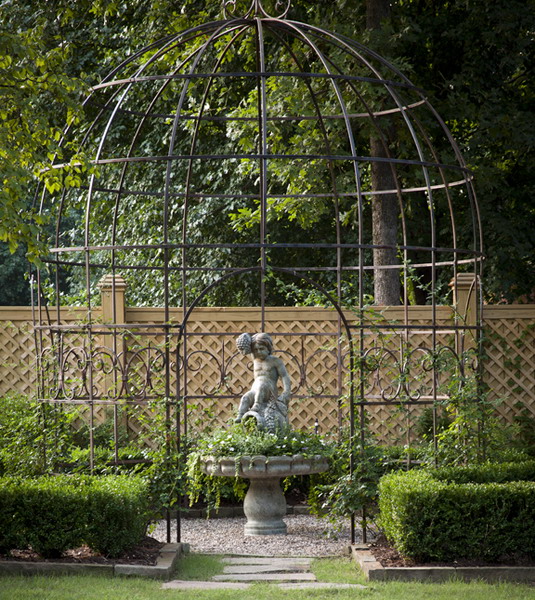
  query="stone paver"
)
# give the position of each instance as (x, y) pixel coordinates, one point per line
(265, 577)
(262, 569)
(263, 560)
(204, 585)
(317, 585)
(237, 569)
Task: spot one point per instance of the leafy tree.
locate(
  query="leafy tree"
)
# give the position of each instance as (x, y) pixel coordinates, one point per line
(14, 283)
(37, 98)
(473, 58)
(39, 93)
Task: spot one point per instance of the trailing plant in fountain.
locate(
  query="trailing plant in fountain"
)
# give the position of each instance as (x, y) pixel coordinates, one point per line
(245, 440)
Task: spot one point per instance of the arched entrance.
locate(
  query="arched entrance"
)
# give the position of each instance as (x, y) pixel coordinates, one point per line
(245, 150)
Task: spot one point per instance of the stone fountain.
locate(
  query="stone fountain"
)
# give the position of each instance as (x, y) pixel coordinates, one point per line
(264, 504)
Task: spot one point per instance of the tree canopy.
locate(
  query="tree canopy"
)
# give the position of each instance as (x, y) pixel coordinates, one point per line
(474, 60)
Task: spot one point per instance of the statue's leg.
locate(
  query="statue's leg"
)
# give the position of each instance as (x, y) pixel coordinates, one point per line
(261, 399)
(245, 405)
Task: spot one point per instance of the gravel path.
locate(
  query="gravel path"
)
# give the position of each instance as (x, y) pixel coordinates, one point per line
(307, 536)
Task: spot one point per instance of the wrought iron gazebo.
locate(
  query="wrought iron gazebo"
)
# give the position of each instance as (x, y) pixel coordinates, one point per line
(235, 160)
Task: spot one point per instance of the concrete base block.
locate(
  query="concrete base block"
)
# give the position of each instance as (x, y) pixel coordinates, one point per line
(163, 569)
(374, 571)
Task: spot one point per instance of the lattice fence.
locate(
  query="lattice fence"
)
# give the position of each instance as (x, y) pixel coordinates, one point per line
(17, 352)
(509, 369)
(307, 340)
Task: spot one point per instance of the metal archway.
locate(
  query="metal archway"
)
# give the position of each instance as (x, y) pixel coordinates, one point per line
(208, 147)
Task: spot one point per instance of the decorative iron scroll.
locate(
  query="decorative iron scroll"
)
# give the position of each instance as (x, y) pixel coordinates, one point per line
(257, 9)
(411, 375)
(389, 371)
(137, 372)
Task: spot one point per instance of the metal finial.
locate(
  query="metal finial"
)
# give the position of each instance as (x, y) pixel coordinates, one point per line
(256, 9)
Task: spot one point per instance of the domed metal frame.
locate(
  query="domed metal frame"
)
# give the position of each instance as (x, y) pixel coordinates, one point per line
(346, 89)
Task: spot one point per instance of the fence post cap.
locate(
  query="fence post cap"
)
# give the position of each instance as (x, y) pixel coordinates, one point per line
(110, 282)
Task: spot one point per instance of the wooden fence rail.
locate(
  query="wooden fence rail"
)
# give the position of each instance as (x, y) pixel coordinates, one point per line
(508, 369)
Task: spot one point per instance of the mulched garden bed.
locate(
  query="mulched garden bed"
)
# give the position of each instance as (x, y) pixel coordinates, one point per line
(145, 553)
(390, 557)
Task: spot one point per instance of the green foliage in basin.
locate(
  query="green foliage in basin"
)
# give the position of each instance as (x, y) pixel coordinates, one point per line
(245, 439)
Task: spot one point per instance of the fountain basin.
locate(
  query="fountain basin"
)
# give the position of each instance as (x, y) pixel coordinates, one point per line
(264, 505)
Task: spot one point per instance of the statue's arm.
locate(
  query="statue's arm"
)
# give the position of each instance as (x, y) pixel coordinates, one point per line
(286, 383)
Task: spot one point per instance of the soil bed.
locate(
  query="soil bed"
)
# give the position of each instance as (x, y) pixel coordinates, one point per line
(145, 553)
(390, 557)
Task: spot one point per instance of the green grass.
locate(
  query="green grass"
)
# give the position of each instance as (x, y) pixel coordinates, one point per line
(199, 567)
(337, 570)
(91, 587)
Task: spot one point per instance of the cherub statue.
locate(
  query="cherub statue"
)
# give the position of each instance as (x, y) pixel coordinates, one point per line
(262, 400)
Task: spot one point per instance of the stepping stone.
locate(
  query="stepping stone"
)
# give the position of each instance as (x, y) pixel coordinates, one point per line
(322, 586)
(204, 585)
(273, 568)
(266, 577)
(261, 560)
(266, 569)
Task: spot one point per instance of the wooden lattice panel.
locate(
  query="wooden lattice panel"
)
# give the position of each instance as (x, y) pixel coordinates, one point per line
(17, 365)
(302, 337)
(509, 369)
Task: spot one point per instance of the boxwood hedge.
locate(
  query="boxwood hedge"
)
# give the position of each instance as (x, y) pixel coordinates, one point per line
(55, 513)
(481, 512)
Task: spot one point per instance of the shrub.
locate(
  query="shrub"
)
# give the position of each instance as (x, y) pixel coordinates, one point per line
(34, 436)
(118, 514)
(53, 514)
(20, 436)
(11, 535)
(487, 473)
(445, 515)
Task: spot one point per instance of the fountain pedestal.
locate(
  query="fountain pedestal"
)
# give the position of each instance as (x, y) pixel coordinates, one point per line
(264, 504)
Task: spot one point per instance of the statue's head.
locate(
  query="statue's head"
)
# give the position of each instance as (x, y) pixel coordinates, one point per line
(263, 337)
(246, 342)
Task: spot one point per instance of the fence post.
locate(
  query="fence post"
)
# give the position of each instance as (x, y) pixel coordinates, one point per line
(465, 298)
(112, 294)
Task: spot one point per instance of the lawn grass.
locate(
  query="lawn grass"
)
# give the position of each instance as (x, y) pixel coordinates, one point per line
(91, 587)
(337, 570)
(198, 567)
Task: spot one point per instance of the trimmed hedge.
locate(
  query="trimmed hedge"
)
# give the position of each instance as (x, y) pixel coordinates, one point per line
(53, 514)
(482, 512)
(487, 473)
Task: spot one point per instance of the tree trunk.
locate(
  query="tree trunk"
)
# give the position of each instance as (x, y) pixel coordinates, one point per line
(385, 209)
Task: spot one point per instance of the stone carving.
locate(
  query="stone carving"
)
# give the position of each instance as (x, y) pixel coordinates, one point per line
(263, 401)
(264, 505)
